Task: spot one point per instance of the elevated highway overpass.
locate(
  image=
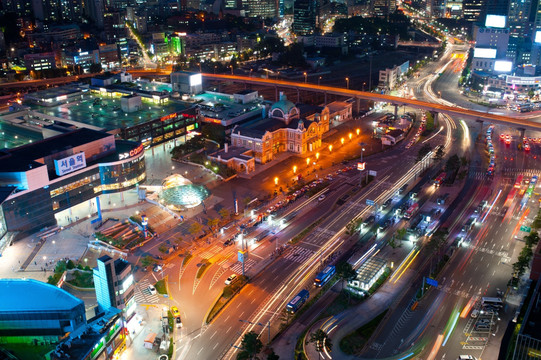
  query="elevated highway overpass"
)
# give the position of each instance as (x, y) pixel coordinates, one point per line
(458, 112)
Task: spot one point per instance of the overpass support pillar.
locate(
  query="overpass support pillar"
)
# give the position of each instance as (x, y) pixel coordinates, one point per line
(298, 95)
(325, 98)
(358, 105)
(480, 124)
(276, 94)
(522, 132)
(396, 111)
(435, 116)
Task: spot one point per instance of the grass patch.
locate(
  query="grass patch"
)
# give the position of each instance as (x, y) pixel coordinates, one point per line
(227, 294)
(299, 349)
(354, 342)
(82, 279)
(187, 258)
(204, 266)
(160, 287)
(342, 302)
(171, 347)
(380, 281)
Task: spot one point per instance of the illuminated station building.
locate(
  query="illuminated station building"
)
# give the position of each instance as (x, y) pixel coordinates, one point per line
(43, 181)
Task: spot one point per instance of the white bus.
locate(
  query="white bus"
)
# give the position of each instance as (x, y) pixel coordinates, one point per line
(492, 301)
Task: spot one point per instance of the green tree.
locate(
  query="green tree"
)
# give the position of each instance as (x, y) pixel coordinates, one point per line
(70, 265)
(163, 249)
(250, 345)
(195, 228)
(453, 164)
(212, 223)
(272, 355)
(148, 261)
(401, 233)
(439, 153)
(224, 213)
(346, 272)
(423, 151)
(95, 68)
(321, 341)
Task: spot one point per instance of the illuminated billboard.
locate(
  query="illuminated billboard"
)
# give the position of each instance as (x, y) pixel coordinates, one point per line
(484, 53)
(495, 21)
(196, 80)
(538, 36)
(503, 66)
(70, 164)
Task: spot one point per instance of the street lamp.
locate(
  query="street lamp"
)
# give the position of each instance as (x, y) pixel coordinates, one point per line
(350, 135)
(362, 151)
(305, 77)
(276, 181)
(342, 141)
(318, 81)
(307, 161)
(358, 131)
(317, 156)
(294, 169)
(364, 85)
(330, 148)
(231, 66)
(347, 83)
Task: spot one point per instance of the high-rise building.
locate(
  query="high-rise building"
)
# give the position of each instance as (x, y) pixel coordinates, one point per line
(383, 8)
(94, 10)
(22, 8)
(304, 17)
(472, 9)
(115, 288)
(260, 8)
(519, 18)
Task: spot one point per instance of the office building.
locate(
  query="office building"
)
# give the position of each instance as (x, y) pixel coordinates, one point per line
(186, 82)
(260, 8)
(51, 176)
(41, 61)
(520, 24)
(472, 10)
(382, 8)
(34, 312)
(304, 17)
(115, 287)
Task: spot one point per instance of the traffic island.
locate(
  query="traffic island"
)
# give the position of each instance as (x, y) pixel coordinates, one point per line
(353, 343)
(228, 294)
(203, 266)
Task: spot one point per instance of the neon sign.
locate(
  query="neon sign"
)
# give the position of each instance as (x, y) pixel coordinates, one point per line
(168, 117)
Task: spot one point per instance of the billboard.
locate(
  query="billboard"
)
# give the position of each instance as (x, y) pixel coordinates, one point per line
(538, 36)
(70, 164)
(496, 21)
(484, 53)
(196, 80)
(503, 66)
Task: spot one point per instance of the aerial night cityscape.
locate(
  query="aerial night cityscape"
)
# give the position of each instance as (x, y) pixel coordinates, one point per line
(270, 179)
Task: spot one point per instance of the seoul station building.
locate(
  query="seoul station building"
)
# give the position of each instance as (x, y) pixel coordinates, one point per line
(41, 179)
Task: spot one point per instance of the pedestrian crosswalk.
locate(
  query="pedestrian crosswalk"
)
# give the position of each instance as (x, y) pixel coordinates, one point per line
(527, 172)
(237, 266)
(298, 254)
(210, 252)
(142, 293)
(477, 175)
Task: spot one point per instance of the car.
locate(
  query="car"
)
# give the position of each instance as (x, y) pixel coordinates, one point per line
(466, 357)
(175, 312)
(321, 198)
(502, 137)
(229, 242)
(527, 147)
(369, 220)
(157, 268)
(152, 290)
(178, 322)
(386, 204)
(231, 279)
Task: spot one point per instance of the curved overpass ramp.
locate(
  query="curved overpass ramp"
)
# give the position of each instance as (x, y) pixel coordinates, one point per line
(423, 105)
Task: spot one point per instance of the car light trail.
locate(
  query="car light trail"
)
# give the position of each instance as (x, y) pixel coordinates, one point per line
(365, 255)
(402, 264)
(406, 356)
(491, 206)
(406, 268)
(467, 308)
(450, 326)
(430, 138)
(435, 348)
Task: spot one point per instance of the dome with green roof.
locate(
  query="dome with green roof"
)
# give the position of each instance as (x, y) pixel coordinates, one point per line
(283, 109)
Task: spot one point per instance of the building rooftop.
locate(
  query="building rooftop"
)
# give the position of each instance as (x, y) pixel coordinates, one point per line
(232, 152)
(45, 297)
(105, 112)
(223, 107)
(12, 136)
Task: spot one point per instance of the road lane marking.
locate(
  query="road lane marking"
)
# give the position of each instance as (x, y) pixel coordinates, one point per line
(228, 329)
(214, 333)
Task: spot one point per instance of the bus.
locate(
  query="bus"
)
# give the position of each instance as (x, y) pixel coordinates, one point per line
(324, 276)
(492, 301)
(529, 191)
(411, 211)
(518, 183)
(439, 180)
(298, 301)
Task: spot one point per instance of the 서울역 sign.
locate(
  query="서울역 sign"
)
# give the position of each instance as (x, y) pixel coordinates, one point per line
(70, 164)
(131, 153)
